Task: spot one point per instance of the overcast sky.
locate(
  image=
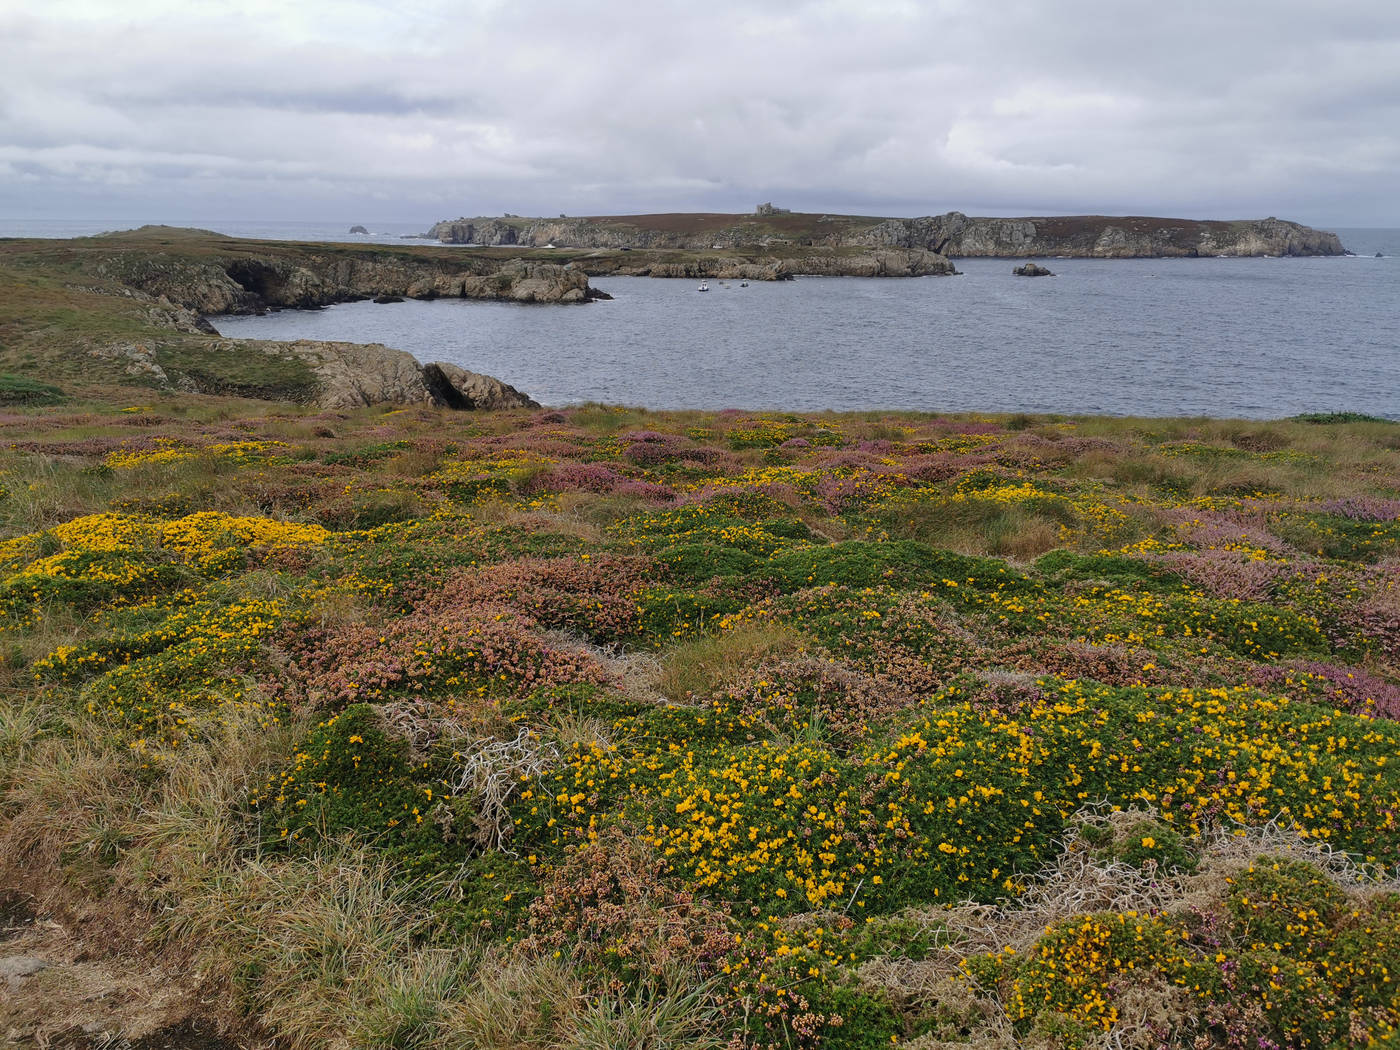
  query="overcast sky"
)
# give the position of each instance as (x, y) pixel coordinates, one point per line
(363, 110)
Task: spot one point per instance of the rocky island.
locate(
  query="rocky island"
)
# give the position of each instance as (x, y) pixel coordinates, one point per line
(822, 241)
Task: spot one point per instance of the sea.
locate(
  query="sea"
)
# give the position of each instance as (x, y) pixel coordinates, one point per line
(1239, 338)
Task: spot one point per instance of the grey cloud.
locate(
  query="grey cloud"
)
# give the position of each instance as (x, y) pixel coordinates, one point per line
(1240, 108)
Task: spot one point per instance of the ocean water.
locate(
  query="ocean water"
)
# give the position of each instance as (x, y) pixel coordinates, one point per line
(1254, 338)
(1251, 338)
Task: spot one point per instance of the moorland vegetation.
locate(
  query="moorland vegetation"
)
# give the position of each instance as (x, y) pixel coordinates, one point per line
(607, 728)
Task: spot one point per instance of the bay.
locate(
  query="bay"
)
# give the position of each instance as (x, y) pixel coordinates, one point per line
(1250, 338)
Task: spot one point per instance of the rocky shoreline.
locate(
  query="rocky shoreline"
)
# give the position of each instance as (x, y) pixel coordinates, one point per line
(238, 278)
(881, 262)
(145, 298)
(134, 306)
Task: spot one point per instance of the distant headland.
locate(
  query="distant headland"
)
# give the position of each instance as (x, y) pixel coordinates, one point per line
(776, 231)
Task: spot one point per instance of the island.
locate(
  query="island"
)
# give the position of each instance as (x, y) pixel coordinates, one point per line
(808, 237)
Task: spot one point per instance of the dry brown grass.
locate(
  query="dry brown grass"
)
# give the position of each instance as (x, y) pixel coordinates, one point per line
(68, 793)
(330, 942)
(532, 1004)
(709, 666)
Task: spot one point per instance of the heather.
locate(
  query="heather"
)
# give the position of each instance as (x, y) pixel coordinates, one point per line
(599, 727)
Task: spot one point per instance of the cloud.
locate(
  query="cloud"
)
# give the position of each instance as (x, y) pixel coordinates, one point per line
(428, 108)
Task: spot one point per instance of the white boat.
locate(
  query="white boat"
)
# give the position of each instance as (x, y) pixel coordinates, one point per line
(703, 287)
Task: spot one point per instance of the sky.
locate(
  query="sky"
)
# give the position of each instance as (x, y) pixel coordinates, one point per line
(418, 110)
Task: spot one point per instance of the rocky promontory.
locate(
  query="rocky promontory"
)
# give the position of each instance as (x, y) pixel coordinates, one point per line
(133, 309)
(952, 234)
(240, 277)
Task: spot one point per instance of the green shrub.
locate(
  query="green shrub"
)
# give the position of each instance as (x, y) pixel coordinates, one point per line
(21, 390)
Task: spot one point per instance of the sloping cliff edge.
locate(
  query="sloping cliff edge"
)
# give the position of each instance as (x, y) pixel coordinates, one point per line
(130, 309)
(219, 275)
(952, 234)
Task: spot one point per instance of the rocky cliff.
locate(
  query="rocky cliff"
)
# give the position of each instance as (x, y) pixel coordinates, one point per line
(876, 262)
(129, 308)
(247, 282)
(952, 234)
(1110, 237)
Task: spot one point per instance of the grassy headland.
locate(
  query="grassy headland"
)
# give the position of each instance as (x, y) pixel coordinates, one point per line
(607, 728)
(130, 308)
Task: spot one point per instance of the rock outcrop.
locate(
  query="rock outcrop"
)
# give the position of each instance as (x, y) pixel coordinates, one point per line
(240, 282)
(353, 375)
(471, 390)
(1031, 269)
(952, 234)
(893, 262)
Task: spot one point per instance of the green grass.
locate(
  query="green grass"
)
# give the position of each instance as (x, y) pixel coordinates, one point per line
(239, 371)
(22, 390)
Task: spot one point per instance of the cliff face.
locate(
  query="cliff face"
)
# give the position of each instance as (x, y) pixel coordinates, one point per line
(128, 308)
(581, 233)
(251, 283)
(952, 234)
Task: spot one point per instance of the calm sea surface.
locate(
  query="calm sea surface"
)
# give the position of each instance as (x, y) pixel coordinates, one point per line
(1259, 338)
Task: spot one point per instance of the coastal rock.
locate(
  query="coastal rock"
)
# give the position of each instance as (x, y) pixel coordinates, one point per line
(250, 283)
(881, 263)
(383, 300)
(353, 375)
(199, 286)
(902, 262)
(523, 281)
(1269, 236)
(359, 229)
(1031, 269)
(475, 390)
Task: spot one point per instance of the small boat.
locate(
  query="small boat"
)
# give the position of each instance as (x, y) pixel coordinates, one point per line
(703, 287)
(743, 284)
